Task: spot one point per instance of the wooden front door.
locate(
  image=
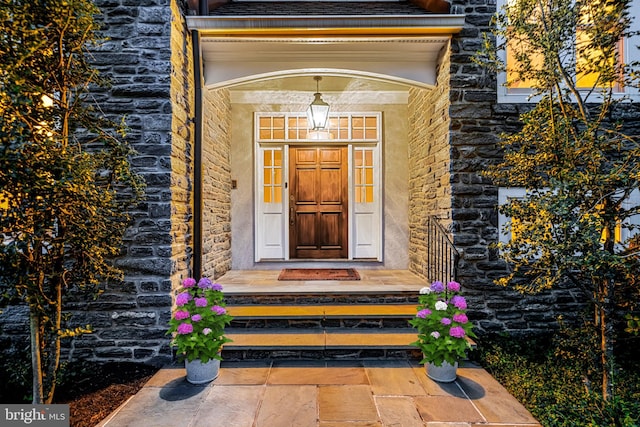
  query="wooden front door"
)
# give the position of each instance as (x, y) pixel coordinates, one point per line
(318, 202)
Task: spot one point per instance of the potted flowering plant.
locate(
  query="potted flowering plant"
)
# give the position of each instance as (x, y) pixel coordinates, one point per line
(197, 326)
(443, 329)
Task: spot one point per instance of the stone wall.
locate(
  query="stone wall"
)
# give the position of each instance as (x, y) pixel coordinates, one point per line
(216, 183)
(476, 123)
(429, 163)
(148, 57)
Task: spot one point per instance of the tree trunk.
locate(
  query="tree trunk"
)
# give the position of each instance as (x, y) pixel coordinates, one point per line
(34, 326)
(54, 345)
(607, 338)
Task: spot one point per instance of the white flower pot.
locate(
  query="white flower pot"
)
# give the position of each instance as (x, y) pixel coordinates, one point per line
(442, 374)
(202, 373)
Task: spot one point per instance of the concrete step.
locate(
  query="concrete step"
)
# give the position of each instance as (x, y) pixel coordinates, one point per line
(319, 339)
(322, 311)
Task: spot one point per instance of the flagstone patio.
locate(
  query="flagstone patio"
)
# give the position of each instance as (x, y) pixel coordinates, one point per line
(371, 393)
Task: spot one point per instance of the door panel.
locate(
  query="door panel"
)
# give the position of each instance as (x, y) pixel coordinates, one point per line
(318, 202)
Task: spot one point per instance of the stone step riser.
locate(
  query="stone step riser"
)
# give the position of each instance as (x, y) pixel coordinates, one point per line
(321, 327)
(334, 354)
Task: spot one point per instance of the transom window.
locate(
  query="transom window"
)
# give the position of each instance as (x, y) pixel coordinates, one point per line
(289, 127)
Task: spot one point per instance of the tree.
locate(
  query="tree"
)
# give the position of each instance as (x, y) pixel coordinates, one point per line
(65, 177)
(579, 167)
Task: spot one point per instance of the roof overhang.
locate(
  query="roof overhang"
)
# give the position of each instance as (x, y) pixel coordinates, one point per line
(327, 25)
(407, 47)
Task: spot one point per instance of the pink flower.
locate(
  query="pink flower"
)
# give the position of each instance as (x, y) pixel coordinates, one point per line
(445, 321)
(182, 299)
(459, 302)
(460, 318)
(457, 332)
(423, 313)
(189, 282)
(435, 334)
(207, 331)
(196, 318)
(181, 315)
(218, 310)
(201, 302)
(453, 286)
(185, 328)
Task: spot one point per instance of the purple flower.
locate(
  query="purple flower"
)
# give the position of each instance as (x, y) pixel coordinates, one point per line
(218, 310)
(204, 283)
(460, 318)
(457, 332)
(216, 287)
(459, 302)
(423, 313)
(445, 321)
(201, 302)
(181, 315)
(207, 331)
(437, 286)
(189, 282)
(182, 299)
(453, 286)
(196, 318)
(435, 334)
(185, 328)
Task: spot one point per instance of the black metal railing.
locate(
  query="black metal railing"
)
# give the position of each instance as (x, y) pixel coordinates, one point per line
(442, 256)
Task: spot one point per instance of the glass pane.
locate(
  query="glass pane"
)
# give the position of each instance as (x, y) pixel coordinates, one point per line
(515, 48)
(278, 134)
(278, 158)
(371, 134)
(371, 122)
(278, 122)
(358, 194)
(369, 158)
(369, 176)
(369, 194)
(267, 194)
(265, 122)
(277, 194)
(267, 157)
(267, 176)
(265, 133)
(277, 176)
(357, 157)
(358, 177)
(357, 122)
(357, 134)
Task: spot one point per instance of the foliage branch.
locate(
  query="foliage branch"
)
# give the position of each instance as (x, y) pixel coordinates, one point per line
(65, 176)
(579, 167)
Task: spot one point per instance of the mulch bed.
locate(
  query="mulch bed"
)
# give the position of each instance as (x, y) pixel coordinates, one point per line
(92, 390)
(96, 393)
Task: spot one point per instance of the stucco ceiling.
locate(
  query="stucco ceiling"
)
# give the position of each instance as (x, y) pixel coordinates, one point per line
(230, 61)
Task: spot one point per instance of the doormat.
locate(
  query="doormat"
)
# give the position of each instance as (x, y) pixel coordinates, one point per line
(319, 274)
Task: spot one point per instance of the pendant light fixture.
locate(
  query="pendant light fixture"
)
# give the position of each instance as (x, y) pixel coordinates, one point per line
(318, 111)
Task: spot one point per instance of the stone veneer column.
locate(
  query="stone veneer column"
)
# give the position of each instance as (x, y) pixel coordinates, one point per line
(216, 188)
(429, 163)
